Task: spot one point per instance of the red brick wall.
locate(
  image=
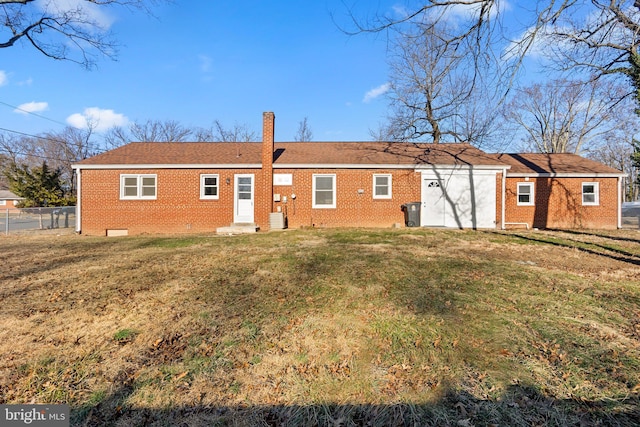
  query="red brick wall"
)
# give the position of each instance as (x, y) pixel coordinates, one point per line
(9, 205)
(353, 209)
(558, 204)
(178, 208)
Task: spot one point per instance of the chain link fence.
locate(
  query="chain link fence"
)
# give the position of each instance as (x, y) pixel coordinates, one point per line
(37, 219)
(631, 215)
(64, 218)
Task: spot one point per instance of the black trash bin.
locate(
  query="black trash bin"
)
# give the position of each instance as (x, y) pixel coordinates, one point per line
(411, 214)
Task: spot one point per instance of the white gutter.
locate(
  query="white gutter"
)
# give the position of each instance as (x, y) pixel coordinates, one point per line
(565, 175)
(417, 167)
(171, 166)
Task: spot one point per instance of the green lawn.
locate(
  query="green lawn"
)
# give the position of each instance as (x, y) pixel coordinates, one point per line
(326, 327)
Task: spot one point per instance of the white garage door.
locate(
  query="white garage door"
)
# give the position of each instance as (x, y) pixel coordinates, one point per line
(459, 199)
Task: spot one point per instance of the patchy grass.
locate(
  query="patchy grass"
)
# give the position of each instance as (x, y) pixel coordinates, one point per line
(346, 327)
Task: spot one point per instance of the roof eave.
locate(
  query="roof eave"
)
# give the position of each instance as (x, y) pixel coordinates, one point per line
(566, 175)
(169, 166)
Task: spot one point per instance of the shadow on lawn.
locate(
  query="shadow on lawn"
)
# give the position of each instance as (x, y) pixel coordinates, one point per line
(594, 234)
(616, 254)
(519, 406)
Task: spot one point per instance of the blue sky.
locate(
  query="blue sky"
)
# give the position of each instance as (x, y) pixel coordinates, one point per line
(200, 61)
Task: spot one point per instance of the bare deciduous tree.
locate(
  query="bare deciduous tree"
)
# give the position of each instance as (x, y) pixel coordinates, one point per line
(63, 149)
(75, 31)
(149, 131)
(237, 133)
(304, 133)
(173, 131)
(599, 36)
(160, 131)
(617, 154)
(563, 116)
(435, 85)
(59, 149)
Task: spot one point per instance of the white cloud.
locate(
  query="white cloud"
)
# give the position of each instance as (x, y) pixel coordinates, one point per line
(469, 12)
(31, 107)
(535, 43)
(4, 79)
(205, 63)
(376, 92)
(97, 118)
(26, 82)
(80, 8)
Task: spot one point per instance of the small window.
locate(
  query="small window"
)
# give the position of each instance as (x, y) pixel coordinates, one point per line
(3, 203)
(324, 191)
(525, 194)
(138, 187)
(381, 186)
(590, 194)
(209, 186)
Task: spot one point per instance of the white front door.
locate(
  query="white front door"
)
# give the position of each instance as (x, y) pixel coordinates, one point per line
(433, 203)
(243, 197)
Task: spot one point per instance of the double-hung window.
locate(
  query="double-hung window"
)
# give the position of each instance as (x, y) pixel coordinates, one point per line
(381, 186)
(209, 186)
(324, 191)
(138, 186)
(525, 194)
(590, 193)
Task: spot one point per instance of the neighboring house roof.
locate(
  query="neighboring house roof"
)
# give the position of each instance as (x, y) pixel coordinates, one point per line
(297, 154)
(8, 195)
(555, 164)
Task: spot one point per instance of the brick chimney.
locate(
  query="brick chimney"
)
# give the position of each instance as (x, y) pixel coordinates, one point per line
(268, 132)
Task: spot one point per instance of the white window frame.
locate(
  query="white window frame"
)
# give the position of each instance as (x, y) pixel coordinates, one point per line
(333, 190)
(3, 203)
(139, 180)
(389, 194)
(596, 194)
(203, 177)
(531, 201)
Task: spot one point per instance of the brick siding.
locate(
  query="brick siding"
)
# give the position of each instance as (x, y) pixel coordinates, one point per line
(179, 209)
(558, 204)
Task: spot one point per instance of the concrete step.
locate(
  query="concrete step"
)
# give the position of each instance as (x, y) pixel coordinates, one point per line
(238, 229)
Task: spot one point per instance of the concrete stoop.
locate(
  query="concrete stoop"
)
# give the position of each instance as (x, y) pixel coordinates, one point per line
(238, 229)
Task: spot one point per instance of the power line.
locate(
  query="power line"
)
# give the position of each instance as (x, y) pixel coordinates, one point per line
(33, 114)
(46, 138)
(33, 136)
(4, 150)
(23, 153)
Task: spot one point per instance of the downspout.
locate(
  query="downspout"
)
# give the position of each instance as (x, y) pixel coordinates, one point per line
(78, 203)
(504, 198)
(619, 202)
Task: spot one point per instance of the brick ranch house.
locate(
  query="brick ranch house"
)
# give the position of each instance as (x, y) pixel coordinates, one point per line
(8, 201)
(147, 187)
